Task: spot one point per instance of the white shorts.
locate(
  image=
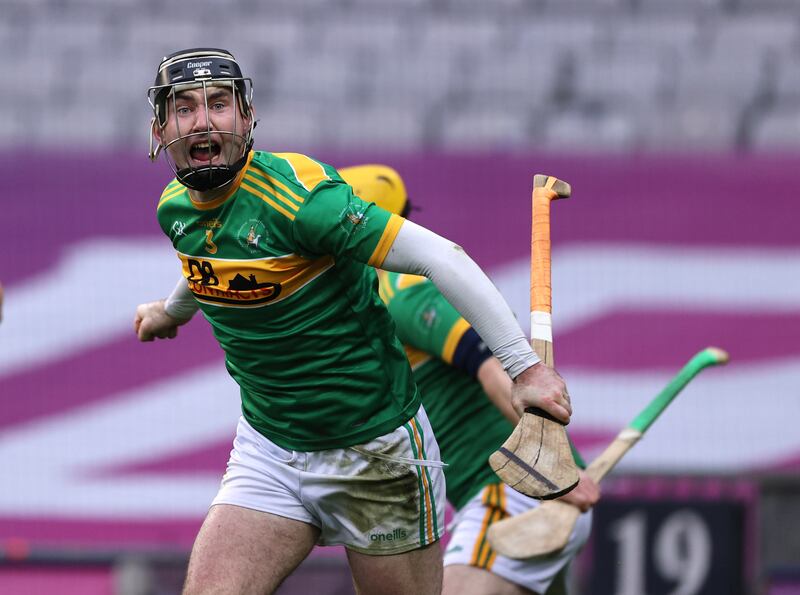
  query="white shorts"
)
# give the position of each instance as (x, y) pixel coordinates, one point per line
(468, 544)
(383, 497)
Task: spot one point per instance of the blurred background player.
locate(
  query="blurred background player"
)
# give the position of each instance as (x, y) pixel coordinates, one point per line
(333, 446)
(467, 396)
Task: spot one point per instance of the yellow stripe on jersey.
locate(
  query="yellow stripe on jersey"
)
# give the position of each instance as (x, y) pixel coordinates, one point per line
(273, 181)
(382, 293)
(383, 282)
(386, 282)
(307, 171)
(416, 357)
(405, 280)
(271, 191)
(387, 239)
(174, 184)
(250, 283)
(268, 200)
(169, 193)
(453, 337)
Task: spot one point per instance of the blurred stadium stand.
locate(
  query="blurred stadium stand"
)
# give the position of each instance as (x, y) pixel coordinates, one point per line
(615, 75)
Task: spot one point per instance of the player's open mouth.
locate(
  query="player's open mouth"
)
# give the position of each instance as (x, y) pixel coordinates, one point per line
(204, 152)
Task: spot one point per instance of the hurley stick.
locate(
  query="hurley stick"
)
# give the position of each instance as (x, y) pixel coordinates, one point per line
(536, 459)
(547, 528)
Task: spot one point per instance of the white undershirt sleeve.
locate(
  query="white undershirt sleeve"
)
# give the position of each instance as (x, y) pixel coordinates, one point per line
(181, 304)
(419, 251)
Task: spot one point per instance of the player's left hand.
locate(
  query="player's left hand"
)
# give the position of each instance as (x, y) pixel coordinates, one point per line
(584, 495)
(541, 386)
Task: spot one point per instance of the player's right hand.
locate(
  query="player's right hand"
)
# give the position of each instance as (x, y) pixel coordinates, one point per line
(541, 386)
(153, 322)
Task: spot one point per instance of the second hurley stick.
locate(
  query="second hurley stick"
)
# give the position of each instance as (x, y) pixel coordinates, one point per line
(547, 528)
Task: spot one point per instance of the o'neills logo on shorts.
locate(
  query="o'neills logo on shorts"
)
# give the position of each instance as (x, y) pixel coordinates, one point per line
(395, 535)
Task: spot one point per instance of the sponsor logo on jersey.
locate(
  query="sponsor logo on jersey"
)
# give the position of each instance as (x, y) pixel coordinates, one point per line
(204, 282)
(252, 235)
(395, 535)
(211, 224)
(201, 273)
(251, 282)
(178, 228)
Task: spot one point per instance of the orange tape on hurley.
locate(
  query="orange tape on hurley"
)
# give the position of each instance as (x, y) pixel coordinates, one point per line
(536, 460)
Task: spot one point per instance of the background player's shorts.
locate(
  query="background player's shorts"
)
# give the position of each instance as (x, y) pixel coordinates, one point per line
(383, 497)
(468, 544)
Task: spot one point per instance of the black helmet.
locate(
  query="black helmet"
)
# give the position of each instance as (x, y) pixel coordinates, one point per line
(201, 68)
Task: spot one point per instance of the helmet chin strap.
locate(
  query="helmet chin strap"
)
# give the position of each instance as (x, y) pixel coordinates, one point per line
(212, 177)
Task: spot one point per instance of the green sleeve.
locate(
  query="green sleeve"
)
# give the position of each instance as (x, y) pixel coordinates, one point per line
(334, 221)
(424, 319)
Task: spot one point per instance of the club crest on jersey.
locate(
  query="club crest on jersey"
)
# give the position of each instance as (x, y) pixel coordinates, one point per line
(353, 217)
(253, 236)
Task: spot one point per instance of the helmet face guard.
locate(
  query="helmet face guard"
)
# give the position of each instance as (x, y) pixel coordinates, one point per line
(206, 69)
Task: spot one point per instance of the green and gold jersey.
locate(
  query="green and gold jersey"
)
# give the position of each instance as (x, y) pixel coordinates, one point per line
(467, 426)
(281, 266)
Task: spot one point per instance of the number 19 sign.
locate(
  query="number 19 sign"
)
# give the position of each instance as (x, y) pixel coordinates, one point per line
(667, 548)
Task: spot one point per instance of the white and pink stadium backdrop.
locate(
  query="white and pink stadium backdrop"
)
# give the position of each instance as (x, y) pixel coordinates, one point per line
(108, 442)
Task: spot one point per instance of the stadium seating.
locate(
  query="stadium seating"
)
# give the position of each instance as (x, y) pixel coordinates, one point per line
(670, 63)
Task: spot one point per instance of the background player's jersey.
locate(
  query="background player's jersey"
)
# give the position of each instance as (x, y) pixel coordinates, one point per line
(279, 267)
(468, 427)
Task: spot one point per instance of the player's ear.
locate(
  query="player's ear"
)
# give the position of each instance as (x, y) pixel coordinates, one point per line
(155, 130)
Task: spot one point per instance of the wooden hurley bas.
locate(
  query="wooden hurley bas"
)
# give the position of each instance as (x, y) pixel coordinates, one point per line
(536, 459)
(547, 528)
